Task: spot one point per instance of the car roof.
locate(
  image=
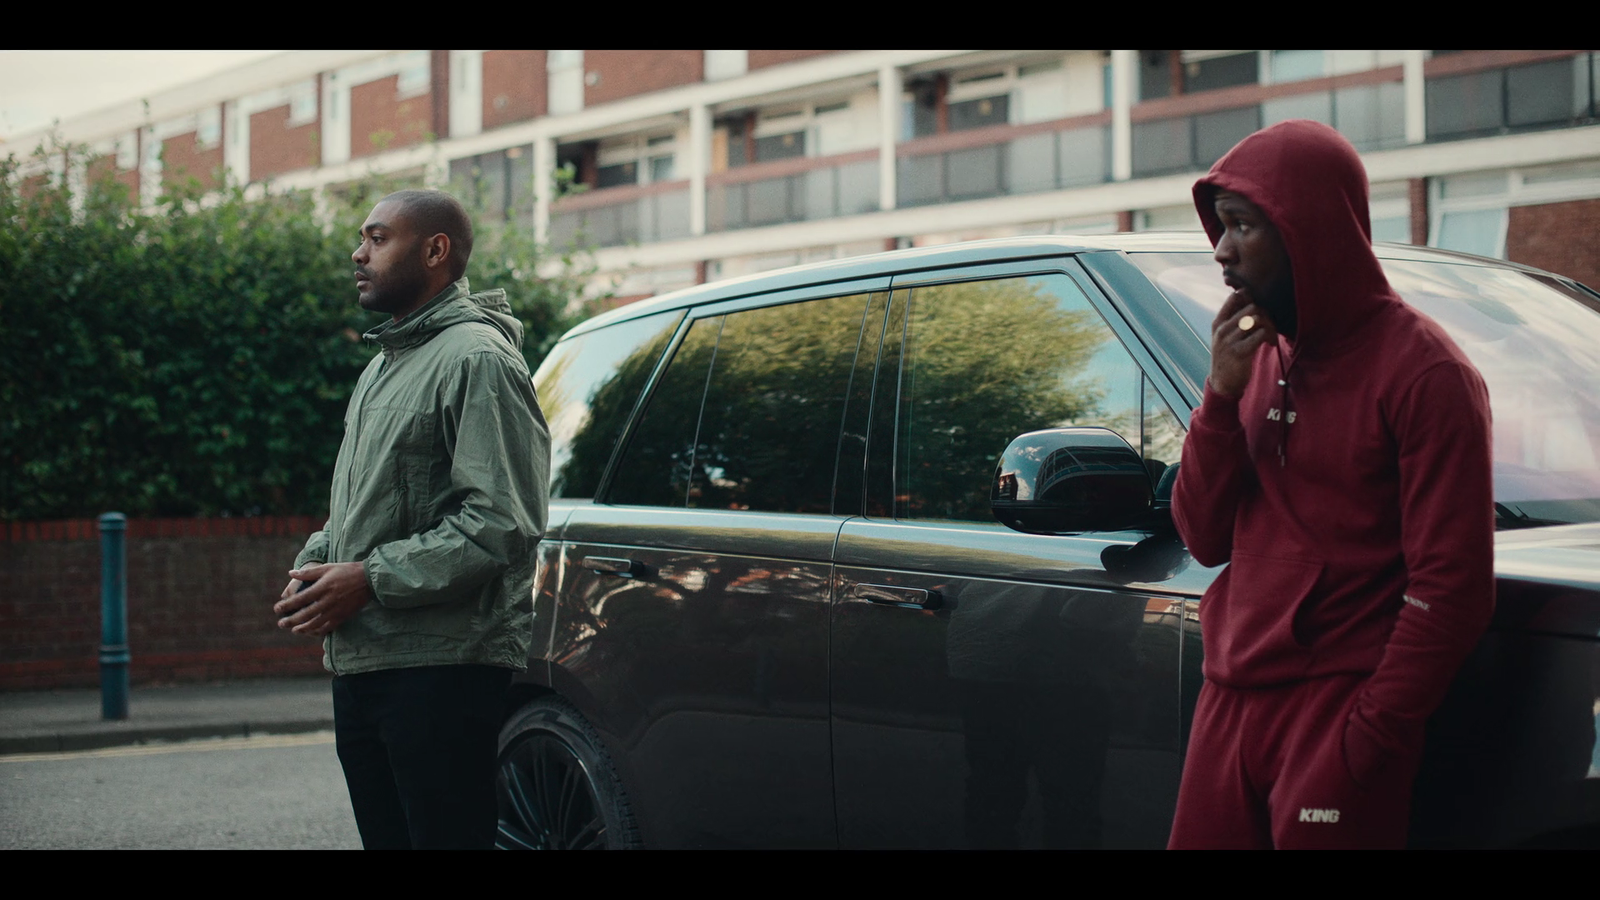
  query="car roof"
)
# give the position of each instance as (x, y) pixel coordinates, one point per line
(994, 250)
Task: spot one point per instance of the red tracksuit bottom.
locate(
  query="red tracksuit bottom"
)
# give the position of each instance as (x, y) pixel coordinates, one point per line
(1269, 767)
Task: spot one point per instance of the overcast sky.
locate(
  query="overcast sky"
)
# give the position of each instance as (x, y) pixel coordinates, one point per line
(40, 86)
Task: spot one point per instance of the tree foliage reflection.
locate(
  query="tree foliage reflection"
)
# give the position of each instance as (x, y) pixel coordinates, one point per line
(985, 362)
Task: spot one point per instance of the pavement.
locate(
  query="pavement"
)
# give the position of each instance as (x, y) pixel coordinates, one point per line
(53, 721)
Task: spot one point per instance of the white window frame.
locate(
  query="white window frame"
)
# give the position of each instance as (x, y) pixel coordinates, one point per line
(808, 117)
(414, 76)
(640, 149)
(1008, 79)
(564, 76)
(1529, 186)
(208, 128)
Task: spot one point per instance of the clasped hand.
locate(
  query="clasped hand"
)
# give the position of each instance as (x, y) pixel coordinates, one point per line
(332, 594)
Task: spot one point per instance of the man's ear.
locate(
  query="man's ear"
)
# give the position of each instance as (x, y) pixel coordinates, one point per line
(436, 251)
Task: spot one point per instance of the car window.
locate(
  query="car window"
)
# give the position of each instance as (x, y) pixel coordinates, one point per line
(1163, 434)
(587, 389)
(747, 414)
(654, 467)
(1537, 349)
(769, 431)
(985, 361)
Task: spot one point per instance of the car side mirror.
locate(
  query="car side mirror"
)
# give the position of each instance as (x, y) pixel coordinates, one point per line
(1069, 480)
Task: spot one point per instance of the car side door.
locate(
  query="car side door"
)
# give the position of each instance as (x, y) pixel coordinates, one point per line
(990, 688)
(695, 613)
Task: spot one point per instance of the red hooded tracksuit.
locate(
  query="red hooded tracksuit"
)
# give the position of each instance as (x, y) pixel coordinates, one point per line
(1349, 491)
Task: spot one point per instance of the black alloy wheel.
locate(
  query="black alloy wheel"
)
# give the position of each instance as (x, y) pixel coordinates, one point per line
(556, 789)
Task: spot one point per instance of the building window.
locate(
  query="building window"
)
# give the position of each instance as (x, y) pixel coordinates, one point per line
(1479, 231)
(1295, 65)
(1155, 74)
(825, 128)
(1537, 95)
(303, 103)
(920, 109)
(622, 161)
(1210, 70)
(208, 127)
(615, 175)
(1389, 206)
(780, 146)
(416, 76)
(1469, 213)
(980, 113)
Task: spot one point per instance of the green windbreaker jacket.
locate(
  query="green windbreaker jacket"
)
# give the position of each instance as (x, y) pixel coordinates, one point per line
(441, 487)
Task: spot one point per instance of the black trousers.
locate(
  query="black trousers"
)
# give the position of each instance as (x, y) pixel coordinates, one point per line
(418, 750)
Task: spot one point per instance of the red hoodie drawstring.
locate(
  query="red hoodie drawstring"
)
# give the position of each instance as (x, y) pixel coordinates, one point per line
(1285, 417)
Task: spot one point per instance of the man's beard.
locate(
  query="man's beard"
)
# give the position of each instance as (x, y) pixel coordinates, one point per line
(395, 289)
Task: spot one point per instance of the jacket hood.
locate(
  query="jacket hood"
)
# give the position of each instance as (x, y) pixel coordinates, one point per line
(1310, 182)
(454, 305)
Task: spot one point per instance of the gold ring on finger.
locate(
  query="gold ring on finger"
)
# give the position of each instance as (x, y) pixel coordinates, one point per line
(1247, 323)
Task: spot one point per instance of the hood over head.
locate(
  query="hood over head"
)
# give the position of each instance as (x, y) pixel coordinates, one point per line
(1310, 182)
(489, 307)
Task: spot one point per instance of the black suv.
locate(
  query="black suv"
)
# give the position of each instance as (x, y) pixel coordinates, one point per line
(775, 607)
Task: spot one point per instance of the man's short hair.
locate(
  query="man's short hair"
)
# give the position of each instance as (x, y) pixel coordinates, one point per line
(435, 212)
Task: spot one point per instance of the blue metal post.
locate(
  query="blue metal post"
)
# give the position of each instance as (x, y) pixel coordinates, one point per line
(113, 617)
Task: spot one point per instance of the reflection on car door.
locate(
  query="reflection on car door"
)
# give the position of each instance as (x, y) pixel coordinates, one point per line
(699, 589)
(995, 689)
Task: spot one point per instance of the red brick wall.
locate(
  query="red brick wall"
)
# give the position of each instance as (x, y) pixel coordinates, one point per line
(625, 73)
(516, 86)
(183, 158)
(439, 79)
(276, 148)
(760, 59)
(200, 593)
(376, 113)
(1561, 237)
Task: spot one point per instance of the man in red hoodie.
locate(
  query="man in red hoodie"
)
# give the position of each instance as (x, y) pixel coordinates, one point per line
(1339, 463)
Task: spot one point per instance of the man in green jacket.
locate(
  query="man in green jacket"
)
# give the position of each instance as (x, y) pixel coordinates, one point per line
(420, 583)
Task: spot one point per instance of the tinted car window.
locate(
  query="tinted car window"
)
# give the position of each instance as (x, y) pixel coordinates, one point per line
(1162, 444)
(770, 424)
(1537, 349)
(985, 361)
(748, 412)
(654, 468)
(587, 388)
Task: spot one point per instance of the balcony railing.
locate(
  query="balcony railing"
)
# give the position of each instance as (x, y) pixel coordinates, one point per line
(997, 161)
(792, 190)
(1368, 108)
(1481, 93)
(612, 217)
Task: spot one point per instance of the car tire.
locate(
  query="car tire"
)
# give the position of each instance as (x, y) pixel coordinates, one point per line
(555, 785)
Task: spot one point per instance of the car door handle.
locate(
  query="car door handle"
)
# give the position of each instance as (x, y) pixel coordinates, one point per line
(611, 565)
(898, 596)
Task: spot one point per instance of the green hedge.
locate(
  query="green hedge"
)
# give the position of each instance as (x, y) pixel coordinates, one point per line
(196, 359)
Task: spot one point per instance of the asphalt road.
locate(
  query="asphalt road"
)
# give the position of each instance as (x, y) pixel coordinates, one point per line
(266, 792)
